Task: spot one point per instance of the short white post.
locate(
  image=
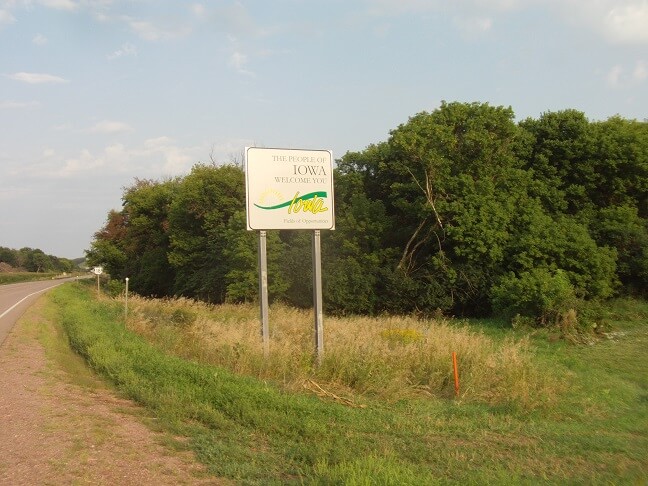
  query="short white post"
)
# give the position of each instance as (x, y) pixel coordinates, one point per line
(126, 301)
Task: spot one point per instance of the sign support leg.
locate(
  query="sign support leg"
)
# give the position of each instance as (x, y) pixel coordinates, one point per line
(317, 297)
(263, 292)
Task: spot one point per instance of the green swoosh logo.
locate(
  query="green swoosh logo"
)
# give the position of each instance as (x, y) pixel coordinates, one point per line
(305, 197)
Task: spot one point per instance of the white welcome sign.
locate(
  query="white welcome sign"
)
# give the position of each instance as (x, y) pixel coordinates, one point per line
(289, 189)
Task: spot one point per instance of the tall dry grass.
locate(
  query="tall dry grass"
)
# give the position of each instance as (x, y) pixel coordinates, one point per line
(389, 358)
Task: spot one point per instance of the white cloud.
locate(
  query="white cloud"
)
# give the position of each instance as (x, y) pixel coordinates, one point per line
(59, 4)
(102, 17)
(614, 76)
(39, 40)
(640, 72)
(124, 51)
(236, 20)
(108, 126)
(500, 5)
(85, 162)
(158, 142)
(198, 10)
(472, 27)
(620, 77)
(390, 7)
(177, 159)
(237, 58)
(619, 21)
(36, 78)
(628, 24)
(386, 7)
(6, 18)
(63, 127)
(8, 105)
(154, 157)
(238, 61)
(150, 32)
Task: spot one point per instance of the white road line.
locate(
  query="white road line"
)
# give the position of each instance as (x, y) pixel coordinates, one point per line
(24, 299)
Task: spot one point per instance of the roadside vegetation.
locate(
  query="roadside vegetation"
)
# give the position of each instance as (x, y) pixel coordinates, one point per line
(387, 358)
(34, 260)
(17, 277)
(532, 235)
(461, 211)
(28, 265)
(551, 410)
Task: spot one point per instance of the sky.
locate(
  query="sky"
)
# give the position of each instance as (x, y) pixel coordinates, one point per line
(97, 93)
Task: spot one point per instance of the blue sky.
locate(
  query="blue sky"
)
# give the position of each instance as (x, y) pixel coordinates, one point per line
(94, 93)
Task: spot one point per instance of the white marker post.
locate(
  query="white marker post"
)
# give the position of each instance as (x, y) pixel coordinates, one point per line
(126, 301)
(290, 189)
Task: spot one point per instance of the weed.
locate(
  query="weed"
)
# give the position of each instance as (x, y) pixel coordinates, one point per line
(388, 358)
(254, 431)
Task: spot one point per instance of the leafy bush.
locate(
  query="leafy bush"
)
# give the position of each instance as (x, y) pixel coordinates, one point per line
(539, 293)
(115, 288)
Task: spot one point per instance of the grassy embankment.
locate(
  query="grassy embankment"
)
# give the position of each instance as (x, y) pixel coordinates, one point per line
(17, 277)
(530, 411)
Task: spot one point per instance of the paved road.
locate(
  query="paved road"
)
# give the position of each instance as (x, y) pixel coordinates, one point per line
(16, 298)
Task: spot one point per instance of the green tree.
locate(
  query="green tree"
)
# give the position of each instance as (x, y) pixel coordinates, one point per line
(241, 256)
(561, 159)
(449, 174)
(352, 254)
(8, 256)
(198, 223)
(107, 247)
(621, 228)
(620, 158)
(461, 210)
(146, 240)
(38, 261)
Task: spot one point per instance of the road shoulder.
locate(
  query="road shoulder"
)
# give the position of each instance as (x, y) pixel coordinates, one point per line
(60, 425)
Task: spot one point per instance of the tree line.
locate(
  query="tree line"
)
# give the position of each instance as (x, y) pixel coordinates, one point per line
(461, 211)
(34, 260)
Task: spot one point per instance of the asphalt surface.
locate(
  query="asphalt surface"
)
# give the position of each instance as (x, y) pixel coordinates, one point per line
(16, 298)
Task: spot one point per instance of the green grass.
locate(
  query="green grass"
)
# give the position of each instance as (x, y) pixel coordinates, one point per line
(17, 277)
(254, 432)
(387, 358)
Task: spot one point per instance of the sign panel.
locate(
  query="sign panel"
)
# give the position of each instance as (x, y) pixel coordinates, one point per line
(97, 270)
(289, 189)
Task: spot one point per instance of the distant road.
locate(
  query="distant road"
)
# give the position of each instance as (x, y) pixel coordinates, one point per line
(16, 298)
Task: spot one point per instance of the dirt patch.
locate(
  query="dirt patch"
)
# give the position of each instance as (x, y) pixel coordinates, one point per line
(5, 267)
(53, 431)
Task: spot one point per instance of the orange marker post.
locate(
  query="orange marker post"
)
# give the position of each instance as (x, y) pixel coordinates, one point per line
(456, 373)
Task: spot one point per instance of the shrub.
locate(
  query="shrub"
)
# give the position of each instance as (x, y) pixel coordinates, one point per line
(115, 288)
(539, 293)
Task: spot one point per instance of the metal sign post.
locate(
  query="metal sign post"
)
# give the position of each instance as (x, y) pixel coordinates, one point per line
(263, 292)
(317, 297)
(98, 271)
